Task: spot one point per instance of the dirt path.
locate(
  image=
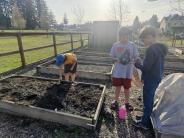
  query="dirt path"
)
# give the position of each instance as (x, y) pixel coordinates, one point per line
(109, 126)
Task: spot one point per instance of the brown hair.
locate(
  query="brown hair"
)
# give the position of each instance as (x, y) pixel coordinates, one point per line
(147, 30)
(124, 31)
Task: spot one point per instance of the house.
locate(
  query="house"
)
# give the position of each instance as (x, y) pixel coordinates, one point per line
(173, 24)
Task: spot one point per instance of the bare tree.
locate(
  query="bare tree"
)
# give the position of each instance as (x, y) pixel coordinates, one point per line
(119, 10)
(113, 10)
(17, 19)
(177, 6)
(78, 13)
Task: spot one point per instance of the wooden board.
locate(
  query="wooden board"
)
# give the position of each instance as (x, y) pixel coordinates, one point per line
(45, 69)
(50, 115)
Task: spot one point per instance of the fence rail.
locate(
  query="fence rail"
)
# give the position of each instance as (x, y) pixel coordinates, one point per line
(54, 44)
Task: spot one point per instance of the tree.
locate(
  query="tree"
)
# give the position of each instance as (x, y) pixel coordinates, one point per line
(34, 12)
(43, 16)
(177, 6)
(78, 13)
(65, 19)
(119, 11)
(17, 19)
(136, 24)
(52, 20)
(5, 13)
(154, 21)
(28, 9)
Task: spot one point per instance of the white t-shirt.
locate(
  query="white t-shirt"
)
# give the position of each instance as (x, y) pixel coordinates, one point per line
(127, 54)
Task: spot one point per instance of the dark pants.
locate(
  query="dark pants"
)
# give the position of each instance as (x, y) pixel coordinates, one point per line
(148, 101)
(67, 68)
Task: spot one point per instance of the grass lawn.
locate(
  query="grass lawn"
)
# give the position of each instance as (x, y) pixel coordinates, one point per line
(8, 44)
(168, 41)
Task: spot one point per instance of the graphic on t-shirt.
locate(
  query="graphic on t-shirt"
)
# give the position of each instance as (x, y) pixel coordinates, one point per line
(125, 57)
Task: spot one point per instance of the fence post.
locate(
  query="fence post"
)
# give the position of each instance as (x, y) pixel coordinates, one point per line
(71, 41)
(54, 44)
(21, 50)
(81, 40)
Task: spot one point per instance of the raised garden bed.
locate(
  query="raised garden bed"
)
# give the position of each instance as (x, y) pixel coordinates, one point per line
(94, 59)
(174, 58)
(174, 65)
(85, 70)
(99, 54)
(88, 49)
(171, 71)
(44, 99)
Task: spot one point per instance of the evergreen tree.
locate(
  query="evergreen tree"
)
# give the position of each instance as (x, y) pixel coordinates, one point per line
(44, 15)
(5, 13)
(136, 24)
(154, 21)
(65, 19)
(35, 14)
(52, 20)
(28, 9)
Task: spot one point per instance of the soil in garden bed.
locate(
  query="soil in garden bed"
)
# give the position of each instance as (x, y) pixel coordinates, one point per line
(90, 68)
(93, 54)
(83, 100)
(170, 71)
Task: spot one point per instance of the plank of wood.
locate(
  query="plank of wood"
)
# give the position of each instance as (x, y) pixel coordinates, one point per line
(45, 114)
(8, 53)
(98, 110)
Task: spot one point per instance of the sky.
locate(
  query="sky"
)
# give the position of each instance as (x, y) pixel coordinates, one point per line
(97, 10)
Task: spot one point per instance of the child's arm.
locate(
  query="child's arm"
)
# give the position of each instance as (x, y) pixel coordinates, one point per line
(113, 55)
(74, 63)
(61, 72)
(148, 61)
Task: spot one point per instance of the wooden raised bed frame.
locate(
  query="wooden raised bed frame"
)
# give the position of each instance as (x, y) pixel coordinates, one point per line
(44, 69)
(95, 59)
(50, 115)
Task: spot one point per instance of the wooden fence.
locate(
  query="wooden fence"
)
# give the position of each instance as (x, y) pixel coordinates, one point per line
(54, 45)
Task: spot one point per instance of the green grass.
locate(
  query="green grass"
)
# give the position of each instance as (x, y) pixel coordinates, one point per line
(8, 44)
(168, 41)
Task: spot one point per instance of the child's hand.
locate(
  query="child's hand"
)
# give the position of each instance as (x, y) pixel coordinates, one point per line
(137, 64)
(138, 60)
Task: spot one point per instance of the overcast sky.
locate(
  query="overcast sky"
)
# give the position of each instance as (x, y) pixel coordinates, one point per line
(99, 9)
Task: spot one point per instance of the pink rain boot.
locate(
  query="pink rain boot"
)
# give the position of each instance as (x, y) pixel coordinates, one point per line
(122, 112)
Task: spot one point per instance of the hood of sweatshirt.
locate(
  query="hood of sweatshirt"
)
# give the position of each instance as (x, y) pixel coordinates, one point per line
(160, 49)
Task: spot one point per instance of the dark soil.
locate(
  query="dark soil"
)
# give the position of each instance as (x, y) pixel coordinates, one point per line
(95, 53)
(174, 65)
(170, 71)
(83, 100)
(95, 68)
(109, 126)
(23, 90)
(91, 68)
(78, 79)
(94, 59)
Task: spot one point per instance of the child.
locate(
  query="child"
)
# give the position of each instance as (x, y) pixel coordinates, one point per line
(152, 72)
(123, 53)
(69, 61)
